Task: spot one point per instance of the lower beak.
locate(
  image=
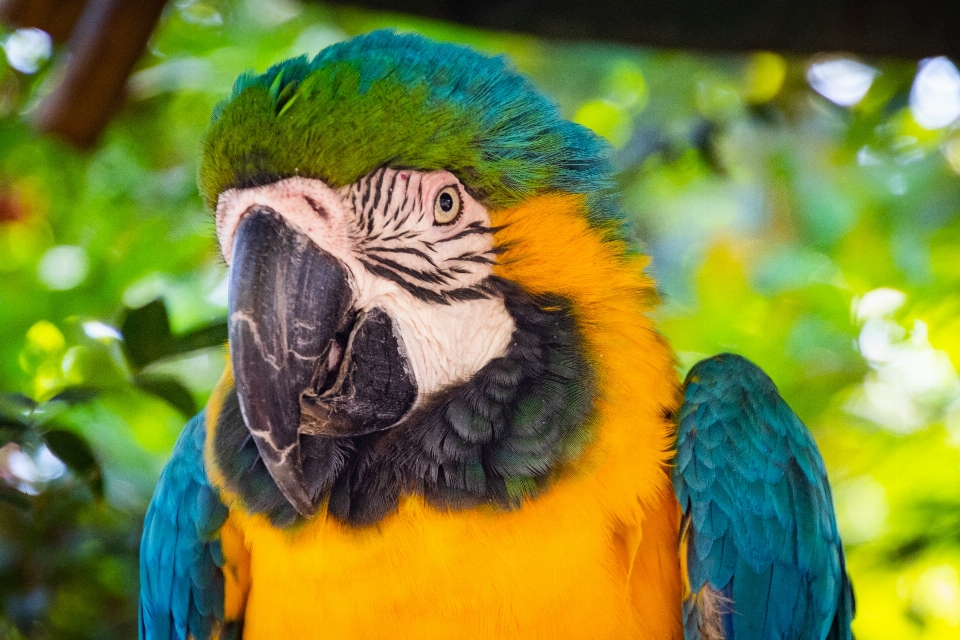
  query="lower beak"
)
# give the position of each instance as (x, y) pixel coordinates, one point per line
(289, 299)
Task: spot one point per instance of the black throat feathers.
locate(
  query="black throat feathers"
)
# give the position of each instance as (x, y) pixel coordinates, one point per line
(498, 438)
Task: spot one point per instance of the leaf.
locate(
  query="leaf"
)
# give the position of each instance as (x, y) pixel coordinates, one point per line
(11, 429)
(75, 395)
(15, 420)
(13, 423)
(11, 496)
(76, 453)
(147, 336)
(169, 389)
(146, 333)
(19, 401)
(214, 335)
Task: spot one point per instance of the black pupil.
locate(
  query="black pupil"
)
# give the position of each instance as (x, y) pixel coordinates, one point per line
(446, 202)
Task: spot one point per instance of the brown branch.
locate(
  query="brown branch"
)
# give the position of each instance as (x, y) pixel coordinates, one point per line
(106, 43)
(56, 17)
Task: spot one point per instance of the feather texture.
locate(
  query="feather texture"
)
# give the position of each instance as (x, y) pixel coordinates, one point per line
(181, 562)
(496, 439)
(384, 99)
(759, 529)
(593, 556)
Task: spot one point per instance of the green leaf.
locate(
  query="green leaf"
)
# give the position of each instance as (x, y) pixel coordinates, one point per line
(147, 336)
(15, 420)
(18, 402)
(75, 395)
(11, 496)
(214, 335)
(12, 423)
(11, 429)
(169, 389)
(146, 333)
(77, 454)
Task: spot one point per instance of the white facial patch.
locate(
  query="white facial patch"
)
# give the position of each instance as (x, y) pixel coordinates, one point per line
(407, 252)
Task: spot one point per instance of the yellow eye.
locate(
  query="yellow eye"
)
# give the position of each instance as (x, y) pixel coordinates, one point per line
(447, 206)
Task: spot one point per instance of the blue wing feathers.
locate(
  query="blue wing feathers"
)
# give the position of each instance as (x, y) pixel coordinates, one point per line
(754, 490)
(181, 593)
(840, 626)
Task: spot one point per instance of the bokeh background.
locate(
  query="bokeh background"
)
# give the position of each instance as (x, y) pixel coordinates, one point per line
(803, 211)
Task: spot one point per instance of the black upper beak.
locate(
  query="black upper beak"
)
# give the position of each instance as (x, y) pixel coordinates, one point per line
(288, 300)
(305, 364)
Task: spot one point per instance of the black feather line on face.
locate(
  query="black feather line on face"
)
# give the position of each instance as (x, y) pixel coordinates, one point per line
(474, 257)
(363, 211)
(396, 209)
(353, 200)
(498, 439)
(389, 270)
(422, 206)
(436, 276)
(420, 293)
(403, 207)
(408, 250)
(398, 236)
(474, 228)
(377, 191)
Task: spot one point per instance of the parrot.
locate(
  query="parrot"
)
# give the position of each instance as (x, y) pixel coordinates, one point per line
(446, 410)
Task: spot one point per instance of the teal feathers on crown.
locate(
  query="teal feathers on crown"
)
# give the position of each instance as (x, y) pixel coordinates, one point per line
(405, 102)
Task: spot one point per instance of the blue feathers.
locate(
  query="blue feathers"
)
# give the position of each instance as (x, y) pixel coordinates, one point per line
(758, 515)
(180, 556)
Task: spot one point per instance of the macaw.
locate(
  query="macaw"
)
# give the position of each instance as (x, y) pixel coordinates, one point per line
(446, 410)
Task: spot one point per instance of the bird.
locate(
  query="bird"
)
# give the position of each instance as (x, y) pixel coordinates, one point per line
(446, 410)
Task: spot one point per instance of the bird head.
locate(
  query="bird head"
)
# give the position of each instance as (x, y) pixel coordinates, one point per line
(405, 224)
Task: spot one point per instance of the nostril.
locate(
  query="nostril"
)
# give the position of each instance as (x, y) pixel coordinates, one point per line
(316, 207)
(260, 208)
(330, 363)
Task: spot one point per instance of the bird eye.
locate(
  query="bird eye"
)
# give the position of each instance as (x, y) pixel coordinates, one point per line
(447, 206)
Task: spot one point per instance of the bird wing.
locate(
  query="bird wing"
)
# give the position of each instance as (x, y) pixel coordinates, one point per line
(759, 539)
(182, 585)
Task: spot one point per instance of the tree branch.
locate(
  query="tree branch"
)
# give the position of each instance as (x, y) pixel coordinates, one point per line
(106, 43)
(56, 17)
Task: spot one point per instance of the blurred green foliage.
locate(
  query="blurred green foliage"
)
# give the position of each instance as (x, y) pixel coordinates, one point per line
(819, 240)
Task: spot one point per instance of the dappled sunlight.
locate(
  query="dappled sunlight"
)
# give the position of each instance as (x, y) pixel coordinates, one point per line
(935, 95)
(101, 331)
(936, 592)
(841, 80)
(27, 49)
(63, 267)
(910, 383)
(862, 509)
(31, 472)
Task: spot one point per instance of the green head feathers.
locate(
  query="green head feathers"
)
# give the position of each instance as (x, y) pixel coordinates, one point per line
(384, 99)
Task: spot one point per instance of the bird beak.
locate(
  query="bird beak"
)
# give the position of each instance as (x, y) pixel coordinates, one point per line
(305, 362)
(288, 301)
